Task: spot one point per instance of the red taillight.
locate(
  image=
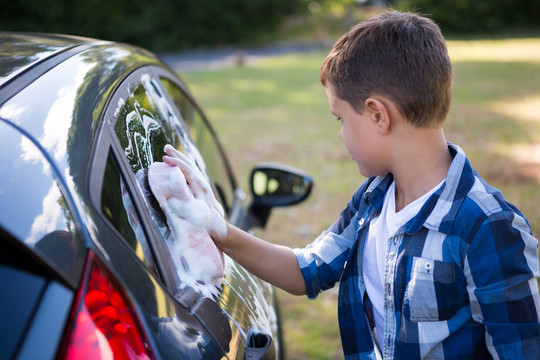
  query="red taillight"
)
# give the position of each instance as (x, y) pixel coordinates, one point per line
(104, 324)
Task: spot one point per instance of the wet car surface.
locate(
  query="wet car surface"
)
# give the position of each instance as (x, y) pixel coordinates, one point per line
(84, 244)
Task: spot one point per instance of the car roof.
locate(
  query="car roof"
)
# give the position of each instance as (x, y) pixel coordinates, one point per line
(20, 51)
(26, 57)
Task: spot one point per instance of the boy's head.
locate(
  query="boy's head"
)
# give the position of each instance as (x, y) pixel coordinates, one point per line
(401, 56)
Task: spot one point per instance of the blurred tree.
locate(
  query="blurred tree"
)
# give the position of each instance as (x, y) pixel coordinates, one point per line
(478, 16)
(153, 24)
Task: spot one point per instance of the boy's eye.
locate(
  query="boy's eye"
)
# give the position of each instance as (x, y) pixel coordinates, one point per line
(339, 119)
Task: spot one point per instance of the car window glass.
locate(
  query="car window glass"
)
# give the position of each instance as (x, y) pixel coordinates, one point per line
(142, 130)
(182, 102)
(117, 206)
(204, 139)
(145, 123)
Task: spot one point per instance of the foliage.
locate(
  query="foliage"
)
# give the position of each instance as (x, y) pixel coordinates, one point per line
(479, 16)
(153, 24)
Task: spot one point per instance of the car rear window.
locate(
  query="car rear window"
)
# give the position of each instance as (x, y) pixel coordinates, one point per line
(117, 206)
(145, 125)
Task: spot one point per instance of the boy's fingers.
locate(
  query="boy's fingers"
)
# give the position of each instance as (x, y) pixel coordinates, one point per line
(193, 186)
(172, 152)
(197, 182)
(171, 161)
(182, 161)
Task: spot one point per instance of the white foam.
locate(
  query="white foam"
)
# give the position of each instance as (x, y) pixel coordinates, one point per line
(190, 207)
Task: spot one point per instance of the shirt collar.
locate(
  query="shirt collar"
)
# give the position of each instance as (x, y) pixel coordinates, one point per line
(377, 189)
(459, 180)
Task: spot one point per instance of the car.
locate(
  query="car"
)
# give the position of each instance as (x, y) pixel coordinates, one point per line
(86, 269)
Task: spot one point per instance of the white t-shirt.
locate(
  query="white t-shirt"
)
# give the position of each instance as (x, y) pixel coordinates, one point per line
(380, 229)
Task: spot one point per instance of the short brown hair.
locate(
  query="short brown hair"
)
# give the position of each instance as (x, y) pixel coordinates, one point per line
(402, 56)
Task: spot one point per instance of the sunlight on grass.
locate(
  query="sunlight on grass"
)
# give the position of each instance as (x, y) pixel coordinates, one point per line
(508, 50)
(261, 86)
(523, 153)
(527, 109)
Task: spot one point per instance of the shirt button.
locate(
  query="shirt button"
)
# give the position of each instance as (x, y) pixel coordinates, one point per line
(362, 221)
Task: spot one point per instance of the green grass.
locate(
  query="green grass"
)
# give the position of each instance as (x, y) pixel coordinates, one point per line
(276, 110)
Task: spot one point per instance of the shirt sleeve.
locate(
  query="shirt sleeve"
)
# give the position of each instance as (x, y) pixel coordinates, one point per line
(502, 270)
(322, 262)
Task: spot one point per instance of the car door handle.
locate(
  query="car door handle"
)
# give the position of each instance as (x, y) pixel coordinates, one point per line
(259, 346)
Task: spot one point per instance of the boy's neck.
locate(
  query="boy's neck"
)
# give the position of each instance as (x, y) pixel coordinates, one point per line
(420, 163)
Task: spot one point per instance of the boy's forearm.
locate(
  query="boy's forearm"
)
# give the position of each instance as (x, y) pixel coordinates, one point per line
(272, 263)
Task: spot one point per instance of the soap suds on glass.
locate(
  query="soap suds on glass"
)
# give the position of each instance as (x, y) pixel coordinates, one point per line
(192, 213)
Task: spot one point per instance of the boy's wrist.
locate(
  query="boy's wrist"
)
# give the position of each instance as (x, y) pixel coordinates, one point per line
(224, 241)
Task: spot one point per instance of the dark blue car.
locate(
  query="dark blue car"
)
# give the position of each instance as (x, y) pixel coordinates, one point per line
(85, 270)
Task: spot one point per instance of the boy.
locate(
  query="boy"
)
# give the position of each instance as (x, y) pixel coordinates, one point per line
(432, 262)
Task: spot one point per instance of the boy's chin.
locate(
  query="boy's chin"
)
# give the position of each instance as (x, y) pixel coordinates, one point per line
(364, 172)
(367, 173)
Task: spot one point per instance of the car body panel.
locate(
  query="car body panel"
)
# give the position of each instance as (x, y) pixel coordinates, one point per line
(58, 137)
(20, 51)
(43, 219)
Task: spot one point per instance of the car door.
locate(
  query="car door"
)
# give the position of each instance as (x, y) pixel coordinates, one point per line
(247, 299)
(152, 108)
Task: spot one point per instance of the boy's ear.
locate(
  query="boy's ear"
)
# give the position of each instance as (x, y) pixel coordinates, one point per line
(379, 114)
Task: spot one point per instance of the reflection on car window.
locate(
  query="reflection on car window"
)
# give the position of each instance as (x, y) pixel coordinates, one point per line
(204, 139)
(182, 102)
(117, 206)
(42, 217)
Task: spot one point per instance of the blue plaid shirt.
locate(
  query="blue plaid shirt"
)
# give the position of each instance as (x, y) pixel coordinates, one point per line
(460, 276)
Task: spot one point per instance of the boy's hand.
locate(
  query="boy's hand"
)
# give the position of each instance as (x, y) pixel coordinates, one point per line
(200, 190)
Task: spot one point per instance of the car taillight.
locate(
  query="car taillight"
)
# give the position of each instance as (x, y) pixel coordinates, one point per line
(103, 324)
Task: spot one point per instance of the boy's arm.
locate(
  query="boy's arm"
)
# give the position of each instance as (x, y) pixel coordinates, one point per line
(502, 275)
(275, 264)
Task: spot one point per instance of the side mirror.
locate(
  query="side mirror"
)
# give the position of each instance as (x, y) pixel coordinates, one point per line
(277, 185)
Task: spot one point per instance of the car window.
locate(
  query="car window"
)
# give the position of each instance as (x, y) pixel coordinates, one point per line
(142, 129)
(117, 206)
(182, 102)
(206, 142)
(145, 123)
